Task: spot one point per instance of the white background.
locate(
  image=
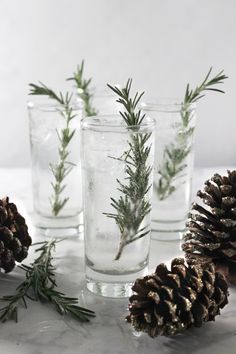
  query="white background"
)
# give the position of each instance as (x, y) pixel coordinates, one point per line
(162, 44)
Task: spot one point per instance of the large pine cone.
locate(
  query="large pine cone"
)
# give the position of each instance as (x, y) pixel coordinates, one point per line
(211, 234)
(14, 236)
(170, 301)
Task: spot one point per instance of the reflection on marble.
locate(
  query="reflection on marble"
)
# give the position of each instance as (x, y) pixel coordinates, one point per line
(41, 330)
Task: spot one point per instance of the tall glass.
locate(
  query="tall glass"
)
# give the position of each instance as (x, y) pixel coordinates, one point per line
(116, 241)
(57, 186)
(174, 153)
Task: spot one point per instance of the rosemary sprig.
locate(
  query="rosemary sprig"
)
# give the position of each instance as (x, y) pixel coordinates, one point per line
(175, 153)
(83, 89)
(61, 169)
(22, 291)
(39, 284)
(132, 205)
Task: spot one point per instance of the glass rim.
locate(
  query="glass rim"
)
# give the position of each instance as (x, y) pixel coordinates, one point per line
(93, 122)
(102, 92)
(172, 106)
(49, 105)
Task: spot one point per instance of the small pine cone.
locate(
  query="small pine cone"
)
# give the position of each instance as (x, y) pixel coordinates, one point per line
(211, 231)
(14, 236)
(170, 301)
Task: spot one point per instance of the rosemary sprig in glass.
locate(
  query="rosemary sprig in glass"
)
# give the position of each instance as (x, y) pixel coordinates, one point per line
(39, 284)
(133, 204)
(84, 90)
(175, 153)
(63, 167)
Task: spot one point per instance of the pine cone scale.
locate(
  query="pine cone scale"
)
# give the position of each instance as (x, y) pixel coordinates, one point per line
(200, 209)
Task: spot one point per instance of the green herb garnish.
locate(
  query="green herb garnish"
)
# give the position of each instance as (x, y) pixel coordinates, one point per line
(61, 169)
(133, 204)
(84, 90)
(175, 153)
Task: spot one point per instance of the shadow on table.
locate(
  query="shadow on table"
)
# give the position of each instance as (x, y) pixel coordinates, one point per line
(217, 338)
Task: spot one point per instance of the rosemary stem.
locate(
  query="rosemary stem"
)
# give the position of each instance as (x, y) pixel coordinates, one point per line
(120, 249)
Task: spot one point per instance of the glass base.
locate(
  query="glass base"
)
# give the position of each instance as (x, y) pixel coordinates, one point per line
(62, 232)
(167, 236)
(167, 230)
(115, 286)
(60, 227)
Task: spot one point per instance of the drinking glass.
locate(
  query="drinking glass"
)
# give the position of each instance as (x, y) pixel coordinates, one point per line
(47, 122)
(174, 154)
(116, 239)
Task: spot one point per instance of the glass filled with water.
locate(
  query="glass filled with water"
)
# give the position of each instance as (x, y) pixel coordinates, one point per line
(56, 168)
(173, 167)
(116, 223)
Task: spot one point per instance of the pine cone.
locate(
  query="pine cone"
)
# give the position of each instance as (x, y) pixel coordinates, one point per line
(168, 302)
(211, 235)
(14, 236)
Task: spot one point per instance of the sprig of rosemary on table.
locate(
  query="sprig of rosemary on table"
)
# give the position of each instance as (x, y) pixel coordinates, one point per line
(132, 205)
(61, 169)
(175, 153)
(84, 90)
(39, 284)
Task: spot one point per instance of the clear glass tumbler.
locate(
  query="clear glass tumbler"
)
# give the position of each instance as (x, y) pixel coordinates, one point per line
(174, 153)
(116, 224)
(56, 168)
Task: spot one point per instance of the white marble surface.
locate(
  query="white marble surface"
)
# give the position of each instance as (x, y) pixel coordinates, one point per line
(41, 330)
